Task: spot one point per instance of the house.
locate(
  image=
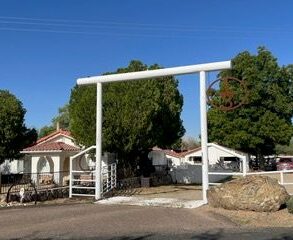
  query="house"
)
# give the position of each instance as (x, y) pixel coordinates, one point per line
(186, 167)
(48, 160)
(14, 166)
(50, 155)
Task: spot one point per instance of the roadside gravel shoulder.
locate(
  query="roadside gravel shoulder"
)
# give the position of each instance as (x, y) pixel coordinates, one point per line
(251, 219)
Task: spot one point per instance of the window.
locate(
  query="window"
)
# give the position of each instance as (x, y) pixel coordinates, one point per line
(195, 159)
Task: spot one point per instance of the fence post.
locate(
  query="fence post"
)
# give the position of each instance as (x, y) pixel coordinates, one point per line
(115, 174)
(282, 178)
(70, 177)
(244, 166)
(112, 175)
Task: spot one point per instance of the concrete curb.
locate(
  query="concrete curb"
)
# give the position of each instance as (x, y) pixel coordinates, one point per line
(155, 202)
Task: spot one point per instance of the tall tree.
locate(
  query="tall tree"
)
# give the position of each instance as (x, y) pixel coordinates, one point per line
(189, 143)
(265, 119)
(62, 119)
(14, 135)
(137, 115)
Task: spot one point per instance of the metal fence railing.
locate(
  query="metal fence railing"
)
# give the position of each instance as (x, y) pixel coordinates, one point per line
(109, 177)
(284, 177)
(43, 180)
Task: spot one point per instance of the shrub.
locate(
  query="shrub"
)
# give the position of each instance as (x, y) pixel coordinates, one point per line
(290, 205)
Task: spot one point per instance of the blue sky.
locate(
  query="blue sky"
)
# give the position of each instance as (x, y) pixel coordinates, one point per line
(46, 45)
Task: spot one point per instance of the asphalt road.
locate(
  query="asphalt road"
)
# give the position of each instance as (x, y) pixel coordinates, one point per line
(94, 221)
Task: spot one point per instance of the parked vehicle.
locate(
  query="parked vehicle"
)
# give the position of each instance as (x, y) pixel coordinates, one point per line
(269, 164)
(285, 164)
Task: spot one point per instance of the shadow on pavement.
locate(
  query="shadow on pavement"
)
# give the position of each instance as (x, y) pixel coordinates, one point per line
(256, 234)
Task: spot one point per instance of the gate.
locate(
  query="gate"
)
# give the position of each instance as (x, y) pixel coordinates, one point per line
(83, 173)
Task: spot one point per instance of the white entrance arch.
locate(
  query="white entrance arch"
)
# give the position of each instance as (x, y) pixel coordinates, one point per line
(198, 68)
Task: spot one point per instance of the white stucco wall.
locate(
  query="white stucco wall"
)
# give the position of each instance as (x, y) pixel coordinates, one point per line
(185, 170)
(173, 161)
(158, 158)
(192, 174)
(214, 154)
(45, 164)
(11, 167)
(62, 138)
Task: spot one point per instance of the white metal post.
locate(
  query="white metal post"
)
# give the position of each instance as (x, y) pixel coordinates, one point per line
(244, 166)
(204, 135)
(282, 178)
(70, 177)
(202, 68)
(98, 141)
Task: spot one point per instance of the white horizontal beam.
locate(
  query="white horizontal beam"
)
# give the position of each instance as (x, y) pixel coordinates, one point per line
(216, 66)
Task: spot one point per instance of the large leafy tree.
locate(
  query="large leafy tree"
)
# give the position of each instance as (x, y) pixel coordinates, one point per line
(137, 115)
(265, 119)
(14, 135)
(62, 119)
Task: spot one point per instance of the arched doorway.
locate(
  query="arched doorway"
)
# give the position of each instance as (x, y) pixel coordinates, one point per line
(45, 169)
(65, 171)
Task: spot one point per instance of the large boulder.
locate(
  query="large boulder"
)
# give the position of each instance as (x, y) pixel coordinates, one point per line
(254, 193)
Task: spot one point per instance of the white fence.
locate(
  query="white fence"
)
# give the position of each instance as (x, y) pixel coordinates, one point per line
(109, 177)
(279, 174)
(83, 174)
(192, 174)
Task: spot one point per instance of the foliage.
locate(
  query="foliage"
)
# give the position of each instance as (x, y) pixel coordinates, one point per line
(62, 119)
(137, 115)
(14, 135)
(290, 205)
(189, 143)
(46, 130)
(284, 149)
(265, 119)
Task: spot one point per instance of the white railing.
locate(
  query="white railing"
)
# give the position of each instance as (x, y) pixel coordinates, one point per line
(280, 173)
(109, 177)
(82, 182)
(81, 179)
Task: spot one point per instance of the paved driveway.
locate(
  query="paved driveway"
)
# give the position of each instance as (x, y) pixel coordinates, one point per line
(93, 221)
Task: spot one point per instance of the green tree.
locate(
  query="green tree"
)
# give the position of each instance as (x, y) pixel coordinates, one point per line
(14, 135)
(46, 130)
(62, 119)
(189, 143)
(137, 115)
(265, 119)
(285, 149)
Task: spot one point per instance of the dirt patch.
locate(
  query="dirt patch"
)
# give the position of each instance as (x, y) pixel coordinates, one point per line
(280, 218)
(59, 201)
(184, 192)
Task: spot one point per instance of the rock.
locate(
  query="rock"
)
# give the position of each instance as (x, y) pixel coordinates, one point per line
(254, 193)
(2, 198)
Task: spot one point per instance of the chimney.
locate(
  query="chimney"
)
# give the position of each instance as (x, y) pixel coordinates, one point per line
(57, 126)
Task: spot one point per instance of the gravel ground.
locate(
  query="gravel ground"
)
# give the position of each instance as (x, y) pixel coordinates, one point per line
(251, 219)
(184, 192)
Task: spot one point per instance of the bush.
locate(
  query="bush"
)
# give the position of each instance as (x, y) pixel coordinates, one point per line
(290, 205)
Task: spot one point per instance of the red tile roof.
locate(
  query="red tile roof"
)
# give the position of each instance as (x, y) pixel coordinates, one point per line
(171, 153)
(61, 132)
(183, 154)
(51, 146)
(167, 151)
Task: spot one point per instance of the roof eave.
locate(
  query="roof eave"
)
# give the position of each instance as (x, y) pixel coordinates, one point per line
(48, 151)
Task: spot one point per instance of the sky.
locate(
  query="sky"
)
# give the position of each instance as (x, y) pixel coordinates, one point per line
(46, 45)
